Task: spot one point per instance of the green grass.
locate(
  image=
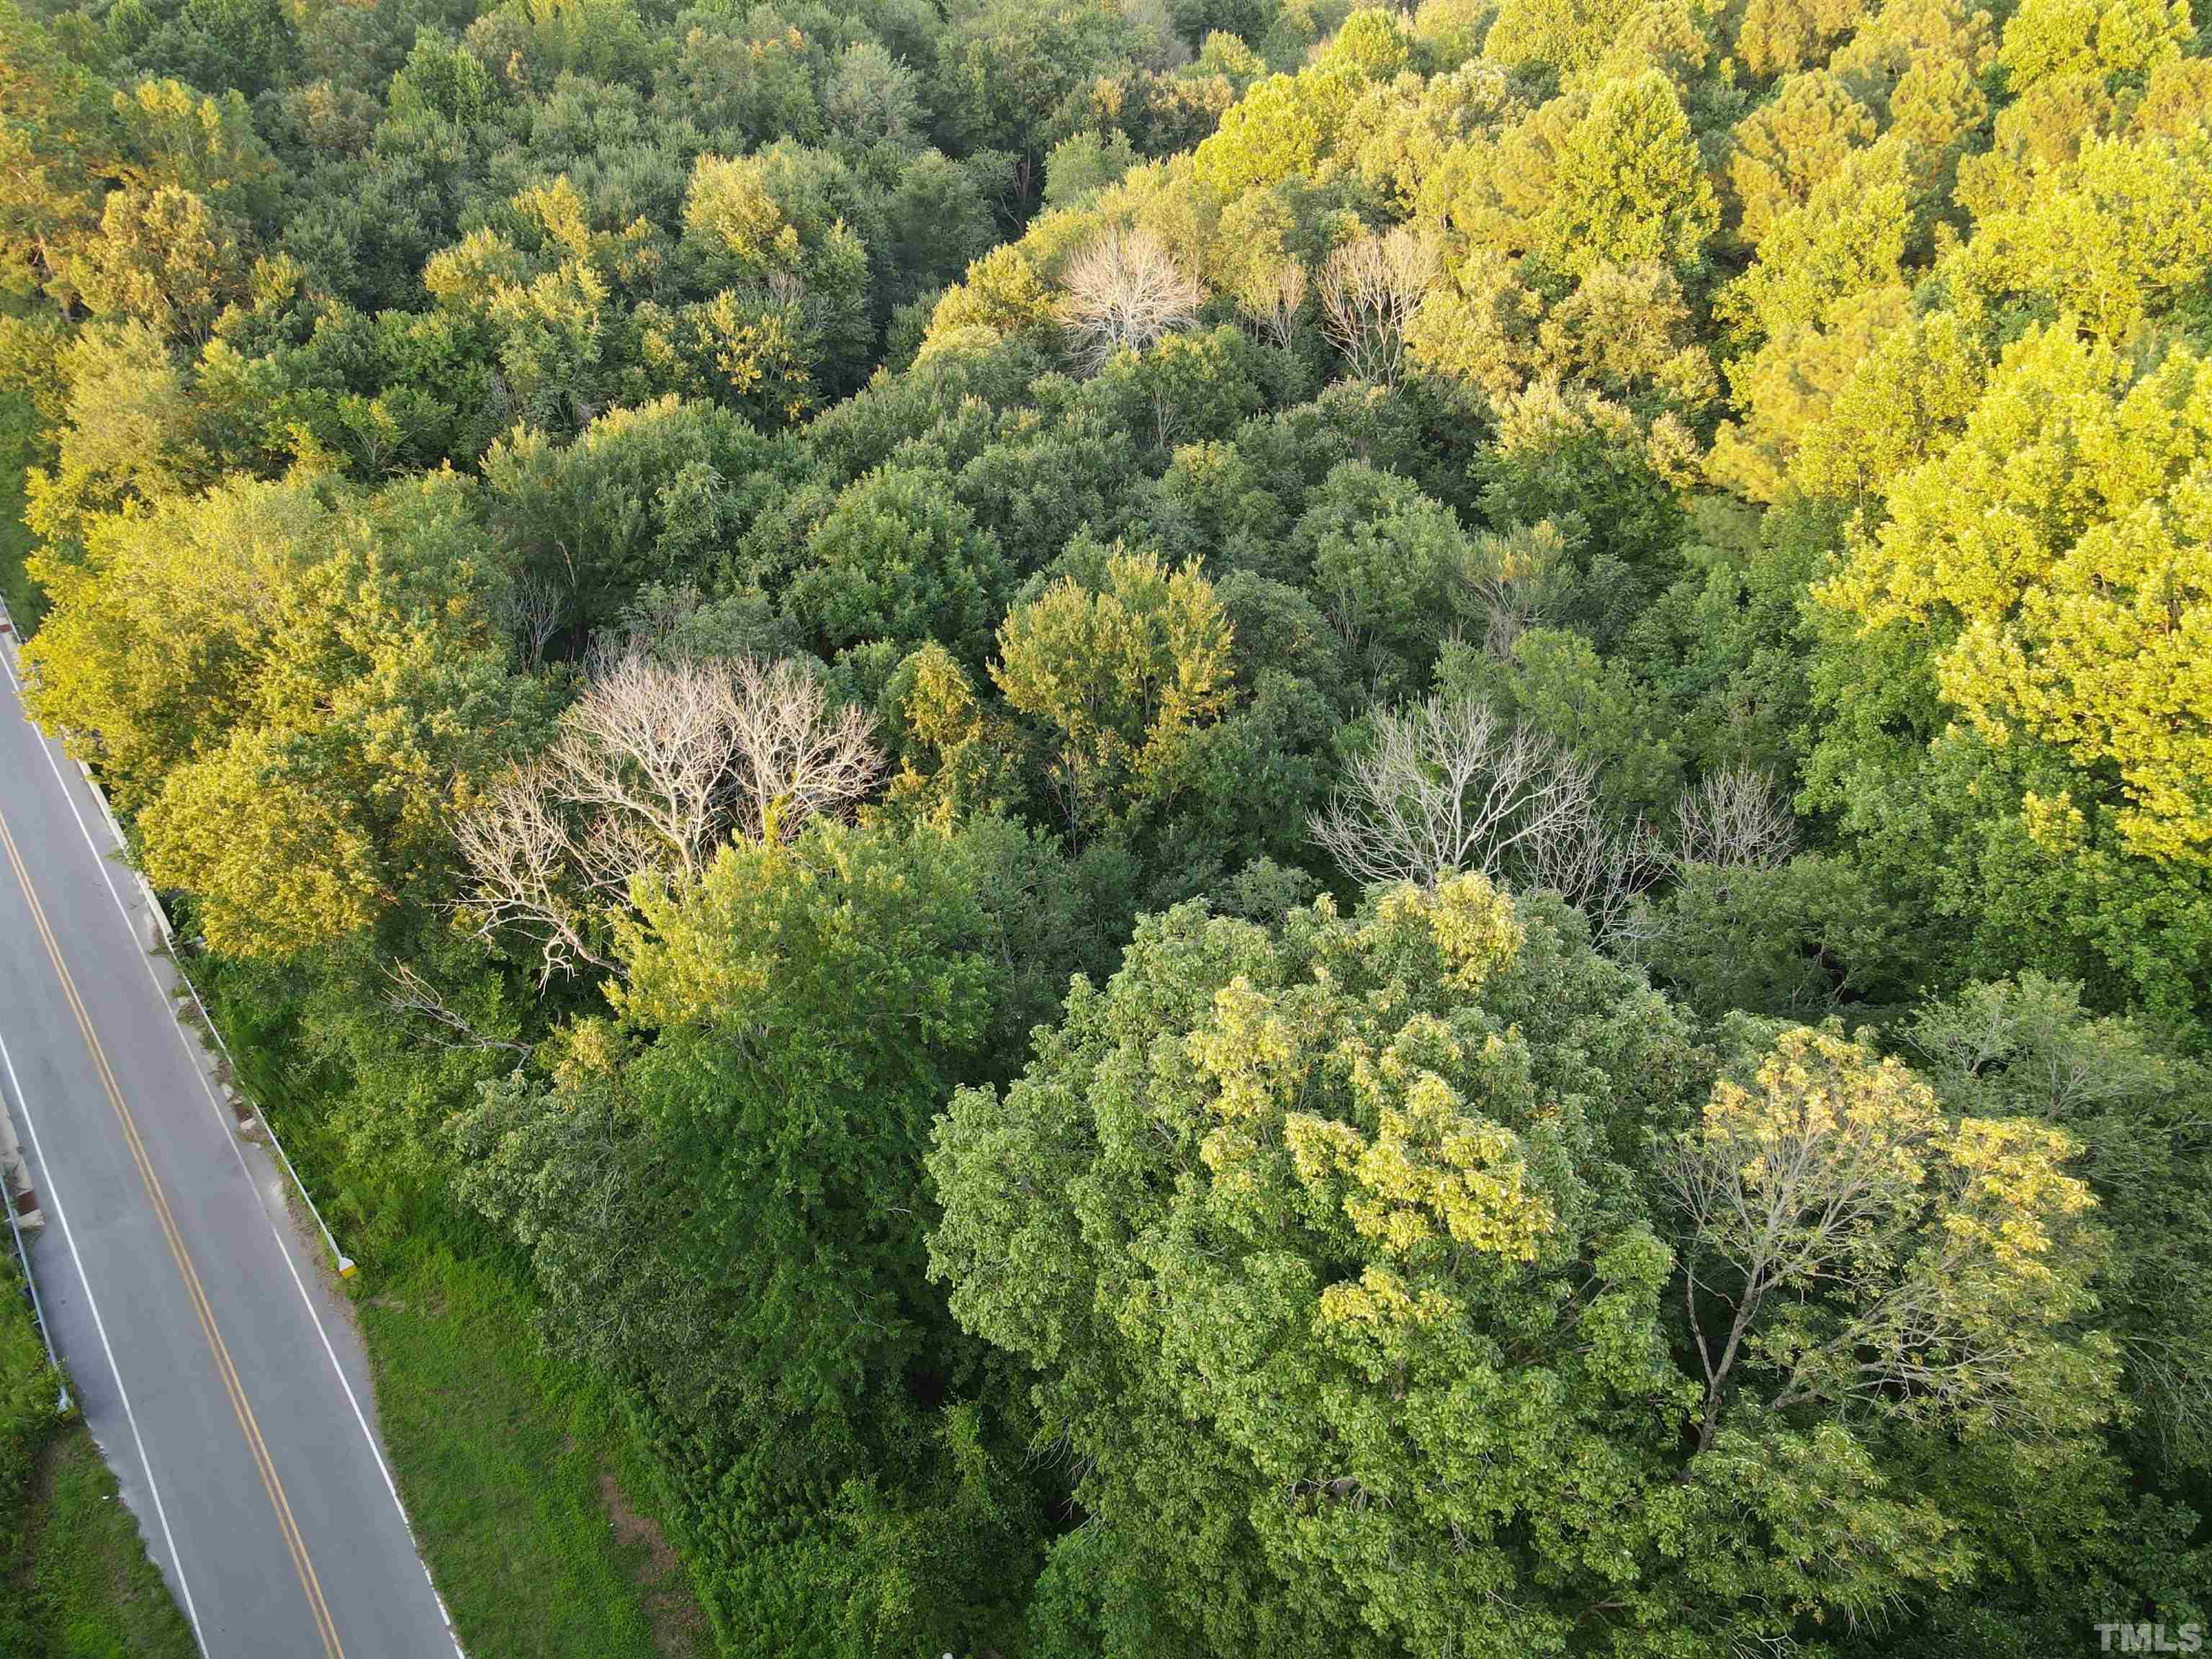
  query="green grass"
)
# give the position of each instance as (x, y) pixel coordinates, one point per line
(94, 1595)
(503, 1455)
(17, 425)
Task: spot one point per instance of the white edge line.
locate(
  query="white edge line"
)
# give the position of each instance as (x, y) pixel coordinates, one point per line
(153, 1487)
(229, 1135)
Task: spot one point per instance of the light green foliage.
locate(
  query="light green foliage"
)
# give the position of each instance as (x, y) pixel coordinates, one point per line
(1081, 167)
(1785, 148)
(127, 433)
(1279, 130)
(1775, 36)
(1370, 47)
(779, 223)
(290, 685)
(1630, 184)
(1559, 35)
(1849, 239)
(2120, 232)
(2122, 39)
(2021, 706)
(163, 258)
(1277, 1213)
(1122, 677)
(2055, 556)
(1359, 1136)
(1785, 408)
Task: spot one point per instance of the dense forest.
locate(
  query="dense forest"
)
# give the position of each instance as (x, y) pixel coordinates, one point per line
(1220, 828)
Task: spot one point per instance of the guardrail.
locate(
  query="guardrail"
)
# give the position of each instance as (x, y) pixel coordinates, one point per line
(65, 1405)
(346, 1263)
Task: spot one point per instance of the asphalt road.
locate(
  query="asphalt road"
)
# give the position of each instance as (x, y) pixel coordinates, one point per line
(213, 1365)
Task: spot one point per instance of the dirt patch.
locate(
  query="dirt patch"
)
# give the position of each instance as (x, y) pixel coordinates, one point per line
(679, 1628)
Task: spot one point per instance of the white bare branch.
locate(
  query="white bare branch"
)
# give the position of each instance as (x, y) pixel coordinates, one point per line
(518, 848)
(1735, 819)
(413, 994)
(655, 766)
(1125, 290)
(1272, 297)
(533, 611)
(1369, 289)
(1452, 787)
(654, 743)
(796, 759)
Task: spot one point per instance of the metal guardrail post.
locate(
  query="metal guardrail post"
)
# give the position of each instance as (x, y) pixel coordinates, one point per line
(346, 1263)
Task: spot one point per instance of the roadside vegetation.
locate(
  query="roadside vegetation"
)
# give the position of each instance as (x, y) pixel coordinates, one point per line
(76, 1582)
(514, 1469)
(19, 427)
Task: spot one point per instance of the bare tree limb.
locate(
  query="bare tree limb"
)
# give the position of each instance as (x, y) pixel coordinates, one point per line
(1369, 289)
(1125, 290)
(655, 765)
(1734, 820)
(413, 994)
(1450, 786)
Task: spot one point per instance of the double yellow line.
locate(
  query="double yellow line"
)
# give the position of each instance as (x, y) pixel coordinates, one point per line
(264, 1465)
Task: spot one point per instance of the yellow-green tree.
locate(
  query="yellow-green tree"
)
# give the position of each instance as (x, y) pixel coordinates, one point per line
(1122, 677)
(291, 685)
(2057, 559)
(1629, 182)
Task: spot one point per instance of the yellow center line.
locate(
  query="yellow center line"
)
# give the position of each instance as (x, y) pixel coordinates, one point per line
(263, 1464)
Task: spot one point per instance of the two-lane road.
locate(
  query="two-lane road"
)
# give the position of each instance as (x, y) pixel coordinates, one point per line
(214, 1368)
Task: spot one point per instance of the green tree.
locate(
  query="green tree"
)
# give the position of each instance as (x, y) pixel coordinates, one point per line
(291, 685)
(1629, 183)
(1784, 148)
(1120, 676)
(1335, 1252)
(898, 558)
(722, 1199)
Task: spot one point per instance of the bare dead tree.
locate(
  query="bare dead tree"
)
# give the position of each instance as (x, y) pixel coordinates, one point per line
(534, 608)
(1272, 297)
(521, 855)
(1516, 580)
(412, 994)
(1450, 786)
(1369, 289)
(652, 742)
(654, 767)
(796, 757)
(1125, 290)
(787, 289)
(1735, 819)
(1600, 867)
